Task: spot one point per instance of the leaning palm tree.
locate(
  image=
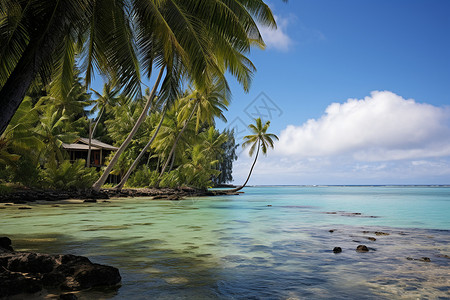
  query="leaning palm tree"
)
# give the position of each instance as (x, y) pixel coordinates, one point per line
(260, 139)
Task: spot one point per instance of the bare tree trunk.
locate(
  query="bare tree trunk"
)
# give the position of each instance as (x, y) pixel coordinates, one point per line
(136, 161)
(249, 174)
(98, 184)
(88, 160)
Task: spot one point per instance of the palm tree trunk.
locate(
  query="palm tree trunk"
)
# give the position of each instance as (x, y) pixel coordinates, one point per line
(136, 161)
(23, 75)
(172, 161)
(91, 135)
(88, 160)
(177, 139)
(98, 184)
(249, 174)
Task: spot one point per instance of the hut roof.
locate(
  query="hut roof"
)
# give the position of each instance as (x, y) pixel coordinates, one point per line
(83, 144)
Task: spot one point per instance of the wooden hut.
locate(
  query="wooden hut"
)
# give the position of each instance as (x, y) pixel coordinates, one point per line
(79, 150)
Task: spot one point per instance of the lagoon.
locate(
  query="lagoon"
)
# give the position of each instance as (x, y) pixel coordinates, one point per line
(268, 243)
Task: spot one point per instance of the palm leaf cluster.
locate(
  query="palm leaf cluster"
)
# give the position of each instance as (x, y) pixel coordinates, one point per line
(124, 40)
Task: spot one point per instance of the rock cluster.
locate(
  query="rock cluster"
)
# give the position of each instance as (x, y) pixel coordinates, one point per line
(26, 272)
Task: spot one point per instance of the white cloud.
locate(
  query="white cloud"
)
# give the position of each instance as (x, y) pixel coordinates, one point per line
(381, 139)
(380, 127)
(277, 38)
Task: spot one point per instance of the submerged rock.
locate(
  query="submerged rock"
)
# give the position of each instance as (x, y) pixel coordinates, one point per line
(337, 249)
(26, 272)
(424, 258)
(362, 248)
(381, 233)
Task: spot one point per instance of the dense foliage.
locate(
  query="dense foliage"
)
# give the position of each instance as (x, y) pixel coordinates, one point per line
(168, 134)
(31, 152)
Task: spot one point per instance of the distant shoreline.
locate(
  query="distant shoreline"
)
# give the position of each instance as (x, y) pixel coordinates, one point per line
(349, 185)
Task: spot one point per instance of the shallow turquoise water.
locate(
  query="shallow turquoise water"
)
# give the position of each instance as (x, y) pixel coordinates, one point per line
(269, 243)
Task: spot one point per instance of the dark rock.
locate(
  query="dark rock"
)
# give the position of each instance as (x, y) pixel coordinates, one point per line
(24, 207)
(269, 205)
(90, 201)
(362, 248)
(31, 263)
(15, 283)
(371, 239)
(65, 272)
(90, 275)
(337, 249)
(425, 259)
(381, 233)
(5, 243)
(331, 230)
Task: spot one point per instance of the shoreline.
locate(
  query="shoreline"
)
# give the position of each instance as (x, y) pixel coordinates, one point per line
(24, 196)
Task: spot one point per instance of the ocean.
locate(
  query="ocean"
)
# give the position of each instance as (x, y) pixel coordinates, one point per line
(268, 243)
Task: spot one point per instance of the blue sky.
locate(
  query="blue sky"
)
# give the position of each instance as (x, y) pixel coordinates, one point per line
(359, 92)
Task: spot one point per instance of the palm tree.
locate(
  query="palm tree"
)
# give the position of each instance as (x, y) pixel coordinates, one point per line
(199, 170)
(206, 103)
(260, 139)
(19, 138)
(104, 100)
(123, 38)
(212, 141)
(50, 131)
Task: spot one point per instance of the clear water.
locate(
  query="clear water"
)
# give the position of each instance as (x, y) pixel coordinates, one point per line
(269, 243)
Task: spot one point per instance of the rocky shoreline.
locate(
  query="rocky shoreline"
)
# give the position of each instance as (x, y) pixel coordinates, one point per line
(23, 196)
(30, 273)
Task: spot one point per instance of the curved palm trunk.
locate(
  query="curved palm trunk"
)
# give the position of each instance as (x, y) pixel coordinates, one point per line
(98, 184)
(136, 161)
(177, 139)
(23, 75)
(249, 174)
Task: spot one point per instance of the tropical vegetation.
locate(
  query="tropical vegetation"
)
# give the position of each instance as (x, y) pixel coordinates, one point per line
(166, 136)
